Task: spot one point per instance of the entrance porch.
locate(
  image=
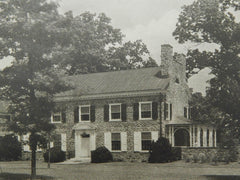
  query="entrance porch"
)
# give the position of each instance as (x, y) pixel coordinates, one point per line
(85, 141)
(191, 135)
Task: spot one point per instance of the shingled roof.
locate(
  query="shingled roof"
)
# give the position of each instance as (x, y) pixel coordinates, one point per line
(116, 82)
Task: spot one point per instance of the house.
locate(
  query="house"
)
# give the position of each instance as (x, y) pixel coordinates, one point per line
(126, 110)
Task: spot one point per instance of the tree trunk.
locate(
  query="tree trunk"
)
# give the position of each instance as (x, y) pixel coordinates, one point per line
(33, 163)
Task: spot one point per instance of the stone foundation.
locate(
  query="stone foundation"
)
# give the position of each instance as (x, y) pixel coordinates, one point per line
(130, 156)
(27, 156)
(208, 155)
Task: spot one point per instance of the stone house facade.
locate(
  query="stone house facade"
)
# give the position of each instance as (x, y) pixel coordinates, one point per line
(126, 110)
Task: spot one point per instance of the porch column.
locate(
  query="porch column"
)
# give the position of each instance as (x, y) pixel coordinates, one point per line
(173, 143)
(198, 136)
(195, 136)
(210, 137)
(190, 135)
(170, 134)
(215, 138)
(204, 137)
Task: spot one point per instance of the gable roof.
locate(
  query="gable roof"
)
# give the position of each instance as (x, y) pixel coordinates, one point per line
(116, 82)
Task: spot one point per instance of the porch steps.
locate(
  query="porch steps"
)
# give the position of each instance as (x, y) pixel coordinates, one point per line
(76, 161)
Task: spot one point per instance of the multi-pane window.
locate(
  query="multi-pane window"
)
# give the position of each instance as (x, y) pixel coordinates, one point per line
(84, 113)
(145, 110)
(116, 142)
(115, 111)
(146, 140)
(56, 117)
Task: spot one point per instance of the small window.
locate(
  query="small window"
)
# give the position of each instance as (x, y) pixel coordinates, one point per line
(146, 140)
(145, 110)
(115, 111)
(185, 112)
(116, 142)
(56, 117)
(85, 113)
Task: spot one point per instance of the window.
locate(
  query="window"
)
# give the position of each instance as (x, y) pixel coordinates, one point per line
(85, 113)
(213, 138)
(115, 112)
(146, 140)
(185, 112)
(168, 109)
(145, 110)
(56, 117)
(116, 142)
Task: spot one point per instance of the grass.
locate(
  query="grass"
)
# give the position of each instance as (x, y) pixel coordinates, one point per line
(120, 171)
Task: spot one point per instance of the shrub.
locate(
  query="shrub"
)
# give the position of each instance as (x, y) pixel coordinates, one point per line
(56, 155)
(161, 151)
(100, 155)
(177, 153)
(10, 148)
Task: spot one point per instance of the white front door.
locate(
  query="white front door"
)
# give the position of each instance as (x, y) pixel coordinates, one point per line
(85, 147)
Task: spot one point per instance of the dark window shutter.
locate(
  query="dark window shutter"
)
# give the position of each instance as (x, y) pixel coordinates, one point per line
(106, 113)
(92, 113)
(165, 111)
(76, 114)
(154, 110)
(185, 112)
(63, 117)
(124, 112)
(189, 112)
(135, 111)
(170, 111)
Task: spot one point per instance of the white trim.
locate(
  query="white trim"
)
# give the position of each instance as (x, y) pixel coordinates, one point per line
(107, 140)
(56, 122)
(140, 112)
(124, 141)
(110, 112)
(63, 142)
(80, 117)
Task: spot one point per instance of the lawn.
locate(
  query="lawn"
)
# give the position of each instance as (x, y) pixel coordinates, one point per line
(120, 171)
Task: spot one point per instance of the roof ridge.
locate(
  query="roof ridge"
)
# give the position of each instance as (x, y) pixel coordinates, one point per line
(126, 70)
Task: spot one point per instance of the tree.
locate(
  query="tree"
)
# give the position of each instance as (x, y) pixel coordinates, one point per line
(29, 33)
(96, 46)
(207, 21)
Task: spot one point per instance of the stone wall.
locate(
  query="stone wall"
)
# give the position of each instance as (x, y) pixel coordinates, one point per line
(131, 156)
(205, 154)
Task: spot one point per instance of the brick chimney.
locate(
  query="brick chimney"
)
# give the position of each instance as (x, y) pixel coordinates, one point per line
(166, 59)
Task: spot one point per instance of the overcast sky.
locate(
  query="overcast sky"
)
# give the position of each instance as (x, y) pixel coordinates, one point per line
(152, 21)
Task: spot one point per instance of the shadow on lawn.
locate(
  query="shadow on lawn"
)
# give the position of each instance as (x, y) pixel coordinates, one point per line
(13, 176)
(222, 177)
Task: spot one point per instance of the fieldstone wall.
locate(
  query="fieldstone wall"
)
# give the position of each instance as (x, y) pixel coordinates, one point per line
(130, 126)
(27, 156)
(208, 155)
(131, 156)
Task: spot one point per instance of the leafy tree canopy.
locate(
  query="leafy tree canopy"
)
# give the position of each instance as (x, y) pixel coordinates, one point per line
(96, 46)
(214, 22)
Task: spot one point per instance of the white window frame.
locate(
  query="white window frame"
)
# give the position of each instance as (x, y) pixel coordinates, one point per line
(110, 112)
(80, 117)
(141, 140)
(120, 142)
(56, 122)
(140, 110)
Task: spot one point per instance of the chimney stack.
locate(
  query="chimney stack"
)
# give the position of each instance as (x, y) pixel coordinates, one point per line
(166, 58)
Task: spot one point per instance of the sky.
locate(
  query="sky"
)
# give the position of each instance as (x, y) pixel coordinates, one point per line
(152, 21)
